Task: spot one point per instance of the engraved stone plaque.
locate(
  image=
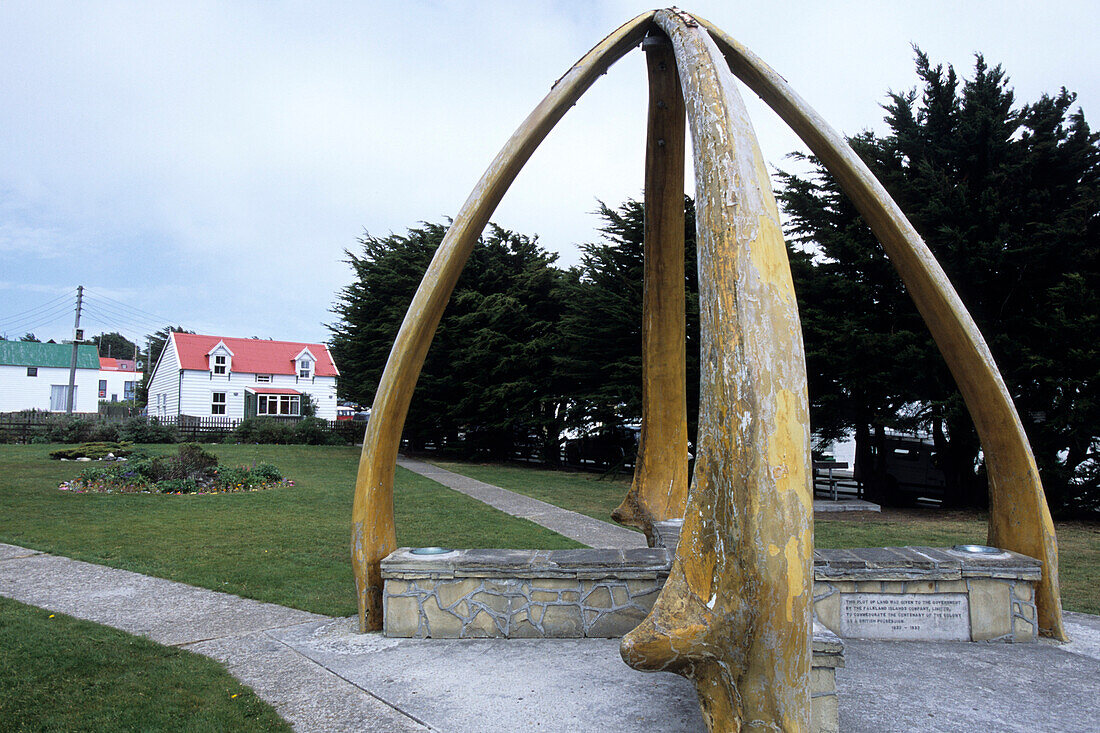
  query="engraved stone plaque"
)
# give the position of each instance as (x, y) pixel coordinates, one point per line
(905, 616)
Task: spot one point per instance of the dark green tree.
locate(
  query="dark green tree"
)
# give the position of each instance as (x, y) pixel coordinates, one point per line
(603, 320)
(30, 337)
(1007, 198)
(115, 345)
(489, 382)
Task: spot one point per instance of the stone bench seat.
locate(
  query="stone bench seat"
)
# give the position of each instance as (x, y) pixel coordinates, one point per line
(882, 592)
(926, 594)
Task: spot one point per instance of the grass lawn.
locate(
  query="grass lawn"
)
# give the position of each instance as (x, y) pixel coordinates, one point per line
(288, 545)
(59, 673)
(1078, 542)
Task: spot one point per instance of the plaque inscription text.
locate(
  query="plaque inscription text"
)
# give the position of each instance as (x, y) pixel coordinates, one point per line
(912, 616)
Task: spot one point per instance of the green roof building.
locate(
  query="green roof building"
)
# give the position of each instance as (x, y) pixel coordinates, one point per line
(35, 376)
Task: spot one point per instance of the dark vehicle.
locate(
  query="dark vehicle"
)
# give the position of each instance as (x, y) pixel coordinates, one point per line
(910, 470)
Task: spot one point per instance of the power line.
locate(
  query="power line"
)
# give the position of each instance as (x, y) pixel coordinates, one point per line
(109, 310)
(48, 315)
(50, 320)
(94, 315)
(65, 297)
(136, 310)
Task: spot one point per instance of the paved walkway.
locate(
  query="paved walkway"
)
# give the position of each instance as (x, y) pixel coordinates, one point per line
(583, 529)
(321, 675)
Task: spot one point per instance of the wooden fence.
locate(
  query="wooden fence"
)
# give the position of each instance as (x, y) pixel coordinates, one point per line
(24, 427)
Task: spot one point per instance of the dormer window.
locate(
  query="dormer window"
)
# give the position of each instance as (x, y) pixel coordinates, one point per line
(221, 360)
(304, 363)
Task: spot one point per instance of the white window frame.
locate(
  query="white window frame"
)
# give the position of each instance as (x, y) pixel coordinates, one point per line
(278, 405)
(305, 368)
(219, 367)
(264, 378)
(215, 403)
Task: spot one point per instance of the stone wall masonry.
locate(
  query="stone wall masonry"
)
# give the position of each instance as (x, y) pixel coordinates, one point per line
(884, 592)
(521, 594)
(926, 593)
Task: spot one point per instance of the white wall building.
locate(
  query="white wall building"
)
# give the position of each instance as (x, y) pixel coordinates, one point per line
(118, 379)
(205, 376)
(35, 376)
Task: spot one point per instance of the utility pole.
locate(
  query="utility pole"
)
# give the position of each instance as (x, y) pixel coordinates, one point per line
(77, 338)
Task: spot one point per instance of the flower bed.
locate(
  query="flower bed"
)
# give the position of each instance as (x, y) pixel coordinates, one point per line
(192, 471)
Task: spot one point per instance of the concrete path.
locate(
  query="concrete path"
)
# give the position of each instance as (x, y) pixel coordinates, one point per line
(583, 529)
(235, 631)
(321, 675)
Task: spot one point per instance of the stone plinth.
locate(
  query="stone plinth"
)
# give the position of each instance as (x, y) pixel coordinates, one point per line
(926, 593)
(554, 594)
(521, 593)
(667, 534)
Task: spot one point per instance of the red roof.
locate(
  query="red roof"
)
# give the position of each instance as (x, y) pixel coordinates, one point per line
(271, 390)
(110, 364)
(252, 356)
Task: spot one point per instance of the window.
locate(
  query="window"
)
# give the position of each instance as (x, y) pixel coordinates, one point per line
(305, 368)
(219, 364)
(283, 404)
(102, 388)
(128, 390)
(263, 377)
(217, 403)
(32, 371)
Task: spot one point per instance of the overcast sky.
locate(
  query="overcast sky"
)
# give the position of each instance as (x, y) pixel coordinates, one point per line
(207, 163)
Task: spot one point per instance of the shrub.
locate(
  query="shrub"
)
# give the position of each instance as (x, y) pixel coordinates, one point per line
(100, 473)
(234, 478)
(103, 432)
(311, 431)
(194, 462)
(178, 486)
(95, 451)
(70, 430)
(152, 470)
(267, 473)
(147, 430)
(263, 430)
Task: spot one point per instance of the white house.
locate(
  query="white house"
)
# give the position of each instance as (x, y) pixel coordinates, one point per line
(204, 376)
(35, 376)
(118, 379)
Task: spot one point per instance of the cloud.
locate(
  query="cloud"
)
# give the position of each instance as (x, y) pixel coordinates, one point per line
(213, 160)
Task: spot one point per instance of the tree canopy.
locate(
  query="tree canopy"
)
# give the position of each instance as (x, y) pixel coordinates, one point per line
(490, 379)
(115, 345)
(524, 349)
(1006, 197)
